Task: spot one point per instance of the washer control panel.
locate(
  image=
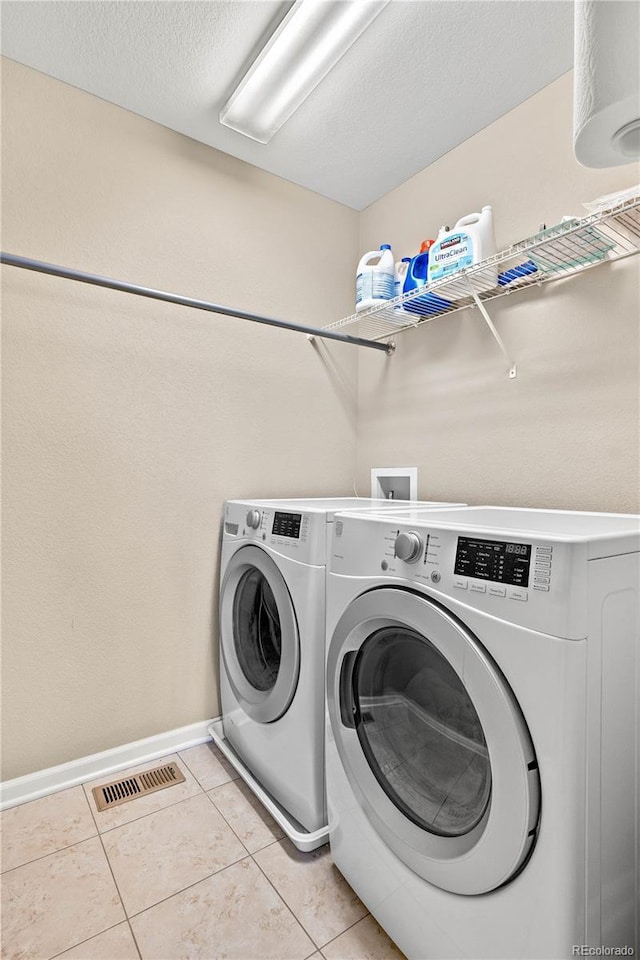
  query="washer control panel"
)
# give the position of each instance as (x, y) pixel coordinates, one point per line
(495, 560)
(533, 581)
(510, 569)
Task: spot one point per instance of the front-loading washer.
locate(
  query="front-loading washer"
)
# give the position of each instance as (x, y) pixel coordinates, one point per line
(482, 735)
(272, 633)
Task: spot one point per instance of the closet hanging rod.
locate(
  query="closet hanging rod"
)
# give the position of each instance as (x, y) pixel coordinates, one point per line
(67, 273)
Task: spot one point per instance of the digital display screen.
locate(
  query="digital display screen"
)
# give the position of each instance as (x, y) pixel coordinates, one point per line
(493, 560)
(286, 525)
(520, 548)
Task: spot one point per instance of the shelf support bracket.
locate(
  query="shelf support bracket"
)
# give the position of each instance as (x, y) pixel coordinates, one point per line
(513, 370)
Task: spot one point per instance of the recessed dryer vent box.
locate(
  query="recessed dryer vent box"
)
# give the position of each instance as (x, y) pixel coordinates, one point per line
(394, 483)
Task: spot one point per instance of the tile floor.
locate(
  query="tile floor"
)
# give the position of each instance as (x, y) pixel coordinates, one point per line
(198, 870)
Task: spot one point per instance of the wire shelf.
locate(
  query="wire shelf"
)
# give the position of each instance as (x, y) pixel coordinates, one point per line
(560, 251)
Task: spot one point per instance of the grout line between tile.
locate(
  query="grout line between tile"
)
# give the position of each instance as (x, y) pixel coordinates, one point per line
(298, 921)
(176, 892)
(80, 942)
(71, 946)
(50, 854)
(350, 927)
(217, 808)
(271, 842)
(113, 875)
(53, 853)
(134, 938)
(188, 887)
(110, 868)
(128, 922)
(230, 780)
(91, 811)
(319, 947)
(106, 856)
(59, 849)
(148, 814)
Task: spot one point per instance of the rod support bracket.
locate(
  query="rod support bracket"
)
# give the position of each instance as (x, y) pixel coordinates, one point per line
(391, 347)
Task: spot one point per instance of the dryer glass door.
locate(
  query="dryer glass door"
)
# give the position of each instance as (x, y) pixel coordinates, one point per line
(432, 741)
(257, 631)
(259, 635)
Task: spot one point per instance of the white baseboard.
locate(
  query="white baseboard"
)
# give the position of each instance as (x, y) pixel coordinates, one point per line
(53, 779)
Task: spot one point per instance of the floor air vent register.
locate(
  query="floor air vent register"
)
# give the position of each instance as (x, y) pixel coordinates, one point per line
(138, 785)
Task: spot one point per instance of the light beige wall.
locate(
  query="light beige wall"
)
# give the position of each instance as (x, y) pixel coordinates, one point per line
(565, 433)
(127, 422)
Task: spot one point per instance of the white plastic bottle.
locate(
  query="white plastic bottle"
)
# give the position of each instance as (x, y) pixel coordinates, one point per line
(399, 276)
(402, 266)
(375, 278)
(470, 241)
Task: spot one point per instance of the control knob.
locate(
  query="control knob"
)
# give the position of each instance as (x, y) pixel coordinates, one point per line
(408, 546)
(253, 519)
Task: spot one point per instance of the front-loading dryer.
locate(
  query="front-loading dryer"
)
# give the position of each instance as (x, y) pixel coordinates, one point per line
(272, 655)
(482, 738)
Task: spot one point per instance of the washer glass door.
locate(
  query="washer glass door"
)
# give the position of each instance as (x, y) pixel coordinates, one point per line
(432, 741)
(259, 635)
(420, 732)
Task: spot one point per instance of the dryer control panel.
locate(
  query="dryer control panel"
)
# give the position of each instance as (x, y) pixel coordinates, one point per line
(287, 525)
(297, 534)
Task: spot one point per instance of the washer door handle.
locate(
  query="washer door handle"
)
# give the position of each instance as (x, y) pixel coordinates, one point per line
(348, 708)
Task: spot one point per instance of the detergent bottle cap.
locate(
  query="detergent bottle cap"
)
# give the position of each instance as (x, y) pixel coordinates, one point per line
(406, 260)
(426, 245)
(385, 246)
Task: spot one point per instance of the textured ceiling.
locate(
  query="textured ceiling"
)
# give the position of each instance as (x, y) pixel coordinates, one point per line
(425, 76)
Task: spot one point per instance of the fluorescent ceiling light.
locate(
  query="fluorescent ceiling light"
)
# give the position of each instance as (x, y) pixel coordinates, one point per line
(310, 40)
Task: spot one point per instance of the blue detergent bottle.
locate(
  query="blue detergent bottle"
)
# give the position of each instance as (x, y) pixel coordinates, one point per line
(416, 277)
(418, 268)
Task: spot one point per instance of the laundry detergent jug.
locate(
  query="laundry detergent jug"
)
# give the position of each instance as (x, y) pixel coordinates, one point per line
(375, 278)
(471, 241)
(416, 277)
(418, 266)
(399, 313)
(400, 275)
